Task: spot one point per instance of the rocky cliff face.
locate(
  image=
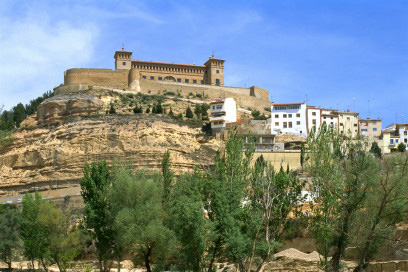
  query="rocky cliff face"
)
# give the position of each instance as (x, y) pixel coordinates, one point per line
(55, 153)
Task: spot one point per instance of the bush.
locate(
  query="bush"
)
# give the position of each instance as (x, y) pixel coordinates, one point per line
(206, 128)
(189, 113)
(199, 95)
(267, 109)
(138, 109)
(148, 110)
(170, 93)
(112, 109)
(401, 147)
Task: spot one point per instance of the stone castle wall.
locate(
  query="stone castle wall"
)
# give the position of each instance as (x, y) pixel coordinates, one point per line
(77, 79)
(101, 77)
(209, 92)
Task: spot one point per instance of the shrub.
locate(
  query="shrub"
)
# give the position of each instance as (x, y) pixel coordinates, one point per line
(138, 109)
(170, 93)
(401, 147)
(148, 110)
(267, 109)
(191, 94)
(189, 113)
(112, 109)
(199, 95)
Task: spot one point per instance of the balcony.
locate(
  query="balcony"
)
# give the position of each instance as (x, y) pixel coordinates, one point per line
(217, 118)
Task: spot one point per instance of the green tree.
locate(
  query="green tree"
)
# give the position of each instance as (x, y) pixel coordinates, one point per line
(388, 205)
(401, 147)
(189, 113)
(226, 189)
(136, 200)
(168, 176)
(94, 187)
(342, 172)
(204, 110)
(197, 111)
(65, 243)
(192, 229)
(375, 150)
(19, 114)
(10, 240)
(34, 234)
(273, 196)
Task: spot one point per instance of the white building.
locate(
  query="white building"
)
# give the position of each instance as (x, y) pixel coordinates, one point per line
(222, 111)
(330, 117)
(313, 118)
(403, 134)
(289, 118)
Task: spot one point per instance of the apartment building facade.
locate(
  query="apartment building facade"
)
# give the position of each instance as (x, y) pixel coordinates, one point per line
(222, 111)
(289, 118)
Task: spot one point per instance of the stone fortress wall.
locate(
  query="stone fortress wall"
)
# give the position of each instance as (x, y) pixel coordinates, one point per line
(78, 79)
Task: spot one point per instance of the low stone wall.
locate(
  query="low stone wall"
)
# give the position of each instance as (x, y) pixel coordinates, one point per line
(388, 266)
(279, 159)
(101, 77)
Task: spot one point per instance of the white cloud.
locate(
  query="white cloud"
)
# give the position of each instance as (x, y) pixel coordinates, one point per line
(35, 50)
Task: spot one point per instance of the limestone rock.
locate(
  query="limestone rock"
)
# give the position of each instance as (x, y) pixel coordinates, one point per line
(46, 156)
(59, 107)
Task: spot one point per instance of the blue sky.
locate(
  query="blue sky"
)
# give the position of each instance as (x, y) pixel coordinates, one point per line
(324, 52)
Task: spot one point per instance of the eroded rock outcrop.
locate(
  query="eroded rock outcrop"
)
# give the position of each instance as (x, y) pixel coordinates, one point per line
(46, 155)
(61, 106)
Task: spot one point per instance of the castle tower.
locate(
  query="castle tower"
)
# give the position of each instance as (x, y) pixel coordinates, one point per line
(123, 59)
(215, 71)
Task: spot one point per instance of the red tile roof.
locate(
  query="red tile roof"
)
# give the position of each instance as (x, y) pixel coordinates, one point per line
(167, 63)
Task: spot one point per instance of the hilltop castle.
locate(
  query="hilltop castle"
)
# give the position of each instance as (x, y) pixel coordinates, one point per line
(211, 73)
(205, 81)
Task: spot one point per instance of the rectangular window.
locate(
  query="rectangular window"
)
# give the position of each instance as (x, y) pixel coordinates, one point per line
(298, 123)
(186, 81)
(179, 80)
(355, 125)
(194, 81)
(405, 132)
(217, 82)
(294, 107)
(279, 108)
(219, 107)
(213, 107)
(314, 113)
(405, 140)
(124, 63)
(144, 77)
(297, 114)
(285, 116)
(374, 129)
(276, 115)
(160, 78)
(396, 141)
(217, 71)
(285, 125)
(290, 115)
(314, 121)
(152, 78)
(290, 124)
(363, 129)
(276, 124)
